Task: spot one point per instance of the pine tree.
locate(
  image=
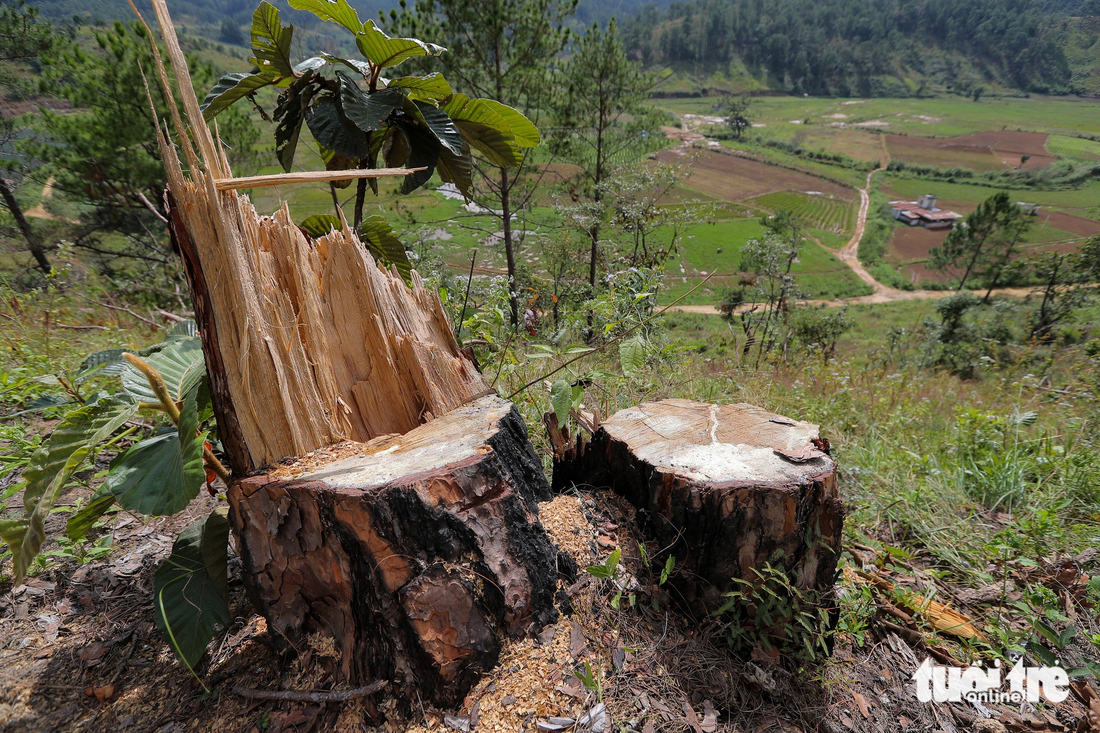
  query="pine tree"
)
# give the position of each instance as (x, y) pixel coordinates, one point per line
(603, 120)
(500, 49)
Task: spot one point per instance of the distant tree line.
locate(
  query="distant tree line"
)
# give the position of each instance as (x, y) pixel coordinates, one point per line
(840, 46)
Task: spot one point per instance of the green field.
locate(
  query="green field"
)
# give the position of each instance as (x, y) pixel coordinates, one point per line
(1081, 199)
(939, 117)
(1073, 147)
(818, 271)
(819, 212)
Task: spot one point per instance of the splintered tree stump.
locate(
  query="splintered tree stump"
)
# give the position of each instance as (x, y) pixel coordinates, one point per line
(418, 553)
(726, 488)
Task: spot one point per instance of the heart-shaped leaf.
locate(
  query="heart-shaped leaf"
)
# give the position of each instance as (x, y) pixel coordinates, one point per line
(384, 51)
(338, 12)
(561, 399)
(230, 88)
(161, 475)
(379, 237)
(367, 111)
(180, 364)
(190, 591)
(319, 225)
(271, 42)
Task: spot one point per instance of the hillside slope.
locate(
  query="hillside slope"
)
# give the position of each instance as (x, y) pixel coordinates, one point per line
(874, 47)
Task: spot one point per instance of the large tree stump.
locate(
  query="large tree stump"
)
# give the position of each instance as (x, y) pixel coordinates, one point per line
(724, 487)
(419, 553)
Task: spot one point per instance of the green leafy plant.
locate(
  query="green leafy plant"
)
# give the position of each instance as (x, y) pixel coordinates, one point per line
(771, 613)
(157, 475)
(359, 117)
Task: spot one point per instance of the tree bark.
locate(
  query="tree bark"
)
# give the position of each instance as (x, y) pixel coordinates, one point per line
(419, 554)
(725, 488)
(34, 245)
(509, 246)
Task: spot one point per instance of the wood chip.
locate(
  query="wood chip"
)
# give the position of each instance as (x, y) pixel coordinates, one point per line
(577, 644)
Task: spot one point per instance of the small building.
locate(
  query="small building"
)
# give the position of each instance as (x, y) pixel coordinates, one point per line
(1031, 209)
(924, 212)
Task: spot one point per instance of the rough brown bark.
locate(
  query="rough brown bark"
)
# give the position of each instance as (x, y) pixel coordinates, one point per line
(725, 488)
(34, 245)
(419, 553)
(229, 428)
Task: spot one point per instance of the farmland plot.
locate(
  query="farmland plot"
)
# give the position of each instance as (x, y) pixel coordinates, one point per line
(817, 210)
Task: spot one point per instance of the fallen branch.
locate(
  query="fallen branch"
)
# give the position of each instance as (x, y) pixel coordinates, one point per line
(318, 697)
(278, 179)
(149, 205)
(166, 315)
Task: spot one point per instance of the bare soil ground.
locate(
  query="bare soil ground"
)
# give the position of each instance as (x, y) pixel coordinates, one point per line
(981, 151)
(734, 178)
(81, 652)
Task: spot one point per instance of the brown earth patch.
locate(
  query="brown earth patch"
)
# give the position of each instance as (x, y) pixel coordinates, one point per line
(734, 178)
(981, 151)
(1073, 224)
(913, 243)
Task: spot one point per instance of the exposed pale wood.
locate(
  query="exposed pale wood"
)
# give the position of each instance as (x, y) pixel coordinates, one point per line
(203, 139)
(318, 342)
(724, 487)
(278, 179)
(419, 554)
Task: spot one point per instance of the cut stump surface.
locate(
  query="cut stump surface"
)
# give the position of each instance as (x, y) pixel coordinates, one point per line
(726, 488)
(419, 553)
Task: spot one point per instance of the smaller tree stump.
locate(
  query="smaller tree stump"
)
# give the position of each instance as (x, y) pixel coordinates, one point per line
(418, 553)
(726, 488)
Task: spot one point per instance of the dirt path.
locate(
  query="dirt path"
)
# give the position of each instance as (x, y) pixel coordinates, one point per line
(39, 212)
(849, 254)
(890, 295)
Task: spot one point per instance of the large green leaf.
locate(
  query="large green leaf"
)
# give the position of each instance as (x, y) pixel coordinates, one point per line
(441, 125)
(378, 237)
(51, 467)
(191, 588)
(632, 355)
(432, 86)
(338, 12)
(457, 169)
(424, 150)
(561, 399)
(384, 51)
(334, 130)
(319, 225)
(186, 328)
(289, 115)
(395, 148)
(271, 42)
(485, 129)
(367, 111)
(524, 131)
(180, 363)
(80, 522)
(362, 67)
(230, 88)
(102, 363)
(161, 475)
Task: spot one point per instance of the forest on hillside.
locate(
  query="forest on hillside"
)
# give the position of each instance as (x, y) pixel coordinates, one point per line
(848, 46)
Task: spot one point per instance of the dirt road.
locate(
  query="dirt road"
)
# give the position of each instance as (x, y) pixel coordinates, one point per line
(849, 254)
(891, 295)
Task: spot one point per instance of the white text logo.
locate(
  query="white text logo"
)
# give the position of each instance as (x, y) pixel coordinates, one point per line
(953, 684)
